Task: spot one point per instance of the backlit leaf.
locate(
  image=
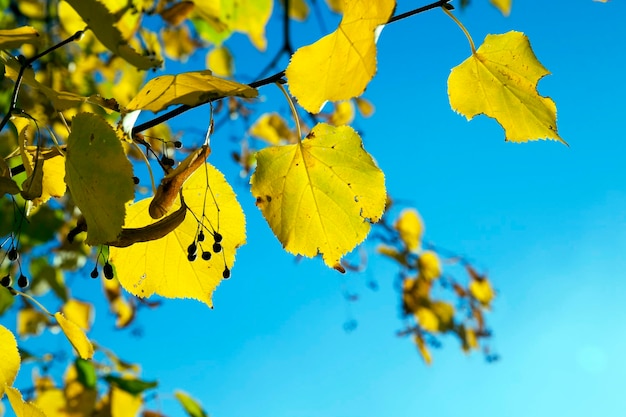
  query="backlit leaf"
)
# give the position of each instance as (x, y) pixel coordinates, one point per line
(190, 405)
(272, 128)
(220, 61)
(161, 266)
(482, 291)
(429, 265)
(79, 312)
(340, 65)
(502, 76)
(423, 349)
(123, 403)
(130, 385)
(190, 88)
(320, 195)
(9, 359)
(178, 43)
(177, 12)
(76, 336)
(343, 113)
(222, 17)
(103, 24)
(20, 407)
(14, 38)
(503, 5)
(99, 176)
(410, 227)
(30, 322)
(298, 9)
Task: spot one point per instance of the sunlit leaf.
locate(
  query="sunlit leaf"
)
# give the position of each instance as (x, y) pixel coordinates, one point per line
(503, 5)
(119, 305)
(190, 88)
(80, 388)
(30, 322)
(9, 359)
(482, 291)
(423, 349)
(79, 312)
(298, 9)
(340, 65)
(103, 24)
(429, 265)
(20, 407)
(177, 12)
(76, 336)
(220, 61)
(343, 113)
(6, 300)
(190, 405)
(99, 176)
(410, 227)
(178, 43)
(502, 76)
(320, 195)
(162, 266)
(123, 403)
(86, 373)
(366, 108)
(14, 38)
(436, 317)
(272, 128)
(222, 17)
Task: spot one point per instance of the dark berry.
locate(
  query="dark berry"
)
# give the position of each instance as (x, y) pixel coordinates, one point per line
(22, 281)
(6, 281)
(192, 249)
(206, 255)
(201, 236)
(135, 180)
(226, 273)
(217, 237)
(108, 270)
(94, 273)
(192, 257)
(12, 254)
(178, 144)
(217, 247)
(169, 162)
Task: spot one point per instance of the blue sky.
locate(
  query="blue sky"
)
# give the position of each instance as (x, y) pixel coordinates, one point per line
(546, 221)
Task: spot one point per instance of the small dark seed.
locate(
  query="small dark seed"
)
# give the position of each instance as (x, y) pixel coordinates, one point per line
(192, 257)
(226, 273)
(217, 237)
(135, 180)
(22, 281)
(217, 248)
(108, 270)
(206, 255)
(12, 254)
(191, 249)
(6, 281)
(94, 273)
(167, 161)
(201, 236)
(178, 144)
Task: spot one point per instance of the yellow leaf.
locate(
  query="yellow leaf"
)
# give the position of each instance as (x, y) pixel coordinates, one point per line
(30, 322)
(343, 114)
(220, 61)
(177, 13)
(190, 88)
(421, 346)
(78, 312)
(429, 265)
(51, 401)
(80, 399)
(336, 5)
(191, 406)
(161, 266)
(226, 16)
(76, 336)
(272, 128)
(20, 407)
(99, 176)
(437, 317)
(503, 5)
(427, 319)
(298, 9)
(178, 43)
(468, 339)
(502, 76)
(410, 227)
(9, 359)
(124, 404)
(366, 108)
(482, 291)
(103, 24)
(14, 38)
(320, 195)
(340, 65)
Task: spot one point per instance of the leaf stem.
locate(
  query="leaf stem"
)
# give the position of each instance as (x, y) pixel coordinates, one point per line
(294, 112)
(458, 22)
(30, 298)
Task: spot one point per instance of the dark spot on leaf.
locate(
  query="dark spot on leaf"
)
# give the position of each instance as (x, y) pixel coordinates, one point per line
(268, 198)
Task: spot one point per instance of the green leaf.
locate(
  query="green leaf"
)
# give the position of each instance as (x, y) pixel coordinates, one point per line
(6, 300)
(45, 276)
(132, 385)
(102, 23)
(191, 406)
(320, 195)
(99, 176)
(86, 373)
(190, 88)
